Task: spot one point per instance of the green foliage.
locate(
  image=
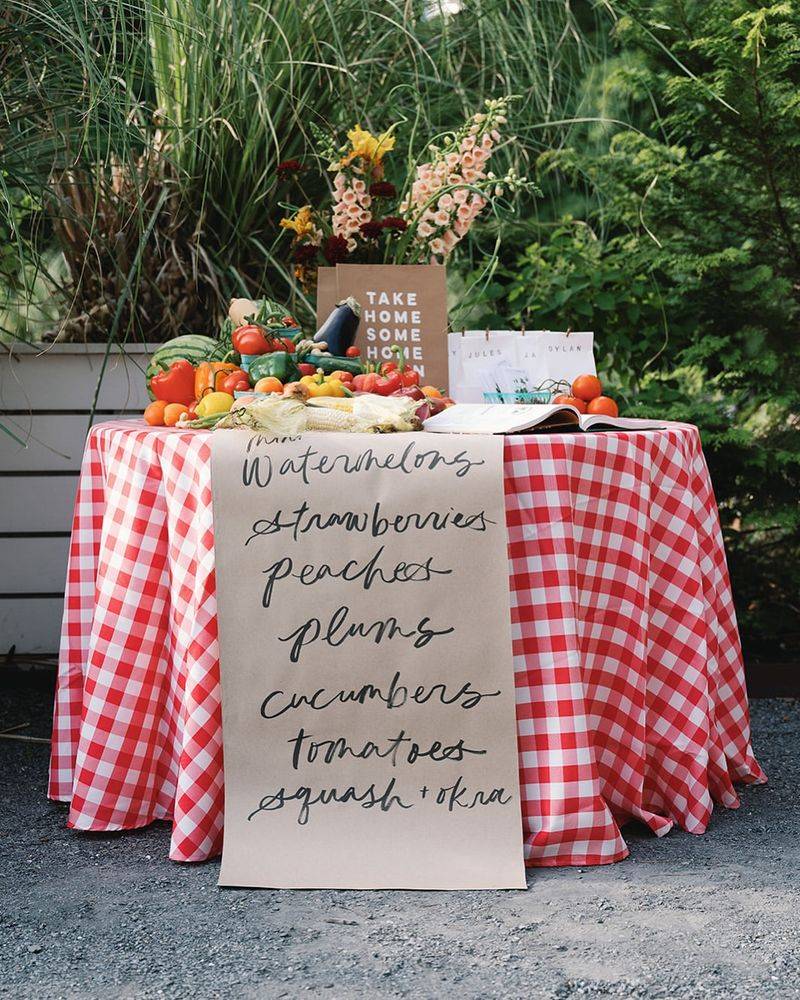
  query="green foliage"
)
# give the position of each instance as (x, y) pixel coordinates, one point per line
(686, 263)
(107, 106)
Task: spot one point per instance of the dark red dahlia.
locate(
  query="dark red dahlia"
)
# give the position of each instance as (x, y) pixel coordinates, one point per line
(371, 230)
(334, 249)
(383, 189)
(304, 253)
(395, 222)
(288, 168)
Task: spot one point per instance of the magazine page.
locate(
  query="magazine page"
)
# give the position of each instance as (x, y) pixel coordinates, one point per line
(495, 418)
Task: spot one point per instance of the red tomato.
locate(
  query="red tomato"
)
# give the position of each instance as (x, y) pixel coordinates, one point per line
(250, 339)
(233, 382)
(365, 383)
(285, 344)
(307, 369)
(353, 352)
(342, 376)
(586, 387)
(604, 405)
(388, 366)
(410, 377)
(579, 404)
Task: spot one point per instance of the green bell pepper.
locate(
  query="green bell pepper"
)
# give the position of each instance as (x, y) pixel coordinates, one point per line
(279, 364)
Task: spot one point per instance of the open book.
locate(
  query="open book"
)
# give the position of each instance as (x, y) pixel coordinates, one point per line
(495, 418)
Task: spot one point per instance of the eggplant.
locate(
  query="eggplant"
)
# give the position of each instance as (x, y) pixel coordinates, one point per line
(339, 329)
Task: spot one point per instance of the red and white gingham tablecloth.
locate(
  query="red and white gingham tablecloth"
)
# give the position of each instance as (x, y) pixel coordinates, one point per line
(630, 688)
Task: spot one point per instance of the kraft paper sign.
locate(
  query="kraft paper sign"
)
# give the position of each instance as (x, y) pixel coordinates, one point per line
(403, 304)
(365, 651)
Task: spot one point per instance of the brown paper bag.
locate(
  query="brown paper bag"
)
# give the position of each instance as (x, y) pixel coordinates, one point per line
(403, 304)
(326, 293)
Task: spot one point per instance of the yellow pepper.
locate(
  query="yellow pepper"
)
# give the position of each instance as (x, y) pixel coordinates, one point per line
(214, 402)
(321, 385)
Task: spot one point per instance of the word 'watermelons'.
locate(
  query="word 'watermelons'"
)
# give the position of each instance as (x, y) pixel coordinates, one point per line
(192, 347)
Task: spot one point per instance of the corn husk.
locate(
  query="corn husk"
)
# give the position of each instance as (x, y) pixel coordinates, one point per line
(281, 416)
(273, 415)
(387, 413)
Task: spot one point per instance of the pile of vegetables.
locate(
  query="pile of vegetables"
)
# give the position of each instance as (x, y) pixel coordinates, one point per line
(261, 355)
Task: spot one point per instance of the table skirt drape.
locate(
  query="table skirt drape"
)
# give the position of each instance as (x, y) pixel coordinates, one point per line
(629, 681)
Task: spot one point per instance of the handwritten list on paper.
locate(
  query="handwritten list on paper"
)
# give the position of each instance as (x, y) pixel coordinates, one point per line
(365, 652)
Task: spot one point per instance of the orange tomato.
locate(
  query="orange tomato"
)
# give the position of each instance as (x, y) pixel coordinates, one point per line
(586, 387)
(431, 391)
(604, 405)
(579, 404)
(173, 413)
(154, 413)
(268, 384)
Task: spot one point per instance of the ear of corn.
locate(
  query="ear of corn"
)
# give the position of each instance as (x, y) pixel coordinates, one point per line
(344, 403)
(332, 419)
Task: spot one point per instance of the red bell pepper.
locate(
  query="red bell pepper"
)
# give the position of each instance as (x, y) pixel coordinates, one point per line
(385, 385)
(408, 375)
(175, 384)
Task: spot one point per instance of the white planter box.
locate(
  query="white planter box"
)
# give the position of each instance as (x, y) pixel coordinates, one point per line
(45, 398)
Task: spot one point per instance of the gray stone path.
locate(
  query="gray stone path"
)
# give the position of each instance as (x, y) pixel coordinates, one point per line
(109, 916)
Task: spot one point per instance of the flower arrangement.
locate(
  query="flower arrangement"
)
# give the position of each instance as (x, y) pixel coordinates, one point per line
(371, 219)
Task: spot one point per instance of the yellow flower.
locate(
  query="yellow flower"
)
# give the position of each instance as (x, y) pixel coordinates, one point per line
(367, 146)
(301, 223)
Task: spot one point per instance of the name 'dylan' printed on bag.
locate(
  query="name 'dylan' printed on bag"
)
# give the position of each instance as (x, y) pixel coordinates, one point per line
(393, 318)
(531, 353)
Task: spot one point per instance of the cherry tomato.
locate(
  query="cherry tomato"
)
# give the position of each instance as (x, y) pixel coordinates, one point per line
(353, 352)
(579, 404)
(268, 384)
(173, 413)
(154, 413)
(587, 387)
(604, 405)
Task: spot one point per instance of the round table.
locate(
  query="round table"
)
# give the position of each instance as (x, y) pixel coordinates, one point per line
(630, 690)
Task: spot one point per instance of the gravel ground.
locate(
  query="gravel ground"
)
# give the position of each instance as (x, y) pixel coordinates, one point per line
(96, 915)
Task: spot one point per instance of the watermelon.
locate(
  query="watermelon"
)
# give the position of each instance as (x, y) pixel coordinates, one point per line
(193, 347)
